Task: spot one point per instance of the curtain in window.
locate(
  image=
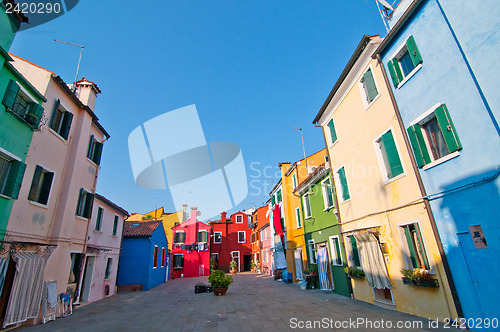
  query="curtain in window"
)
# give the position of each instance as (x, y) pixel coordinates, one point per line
(323, 268)
(372, 261)
(26, 293)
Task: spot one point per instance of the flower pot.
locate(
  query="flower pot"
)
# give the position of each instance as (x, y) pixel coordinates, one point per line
(232, 271)
(219, 291)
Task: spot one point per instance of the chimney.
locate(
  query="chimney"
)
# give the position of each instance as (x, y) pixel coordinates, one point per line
(194, 212)
(87, 92)
(223, 216)
(184, 212)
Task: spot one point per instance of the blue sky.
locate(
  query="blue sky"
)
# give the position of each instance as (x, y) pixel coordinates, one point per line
(252, 68)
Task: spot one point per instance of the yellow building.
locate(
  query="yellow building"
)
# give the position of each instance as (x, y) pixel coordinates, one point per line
(385, 223)
(291, 176)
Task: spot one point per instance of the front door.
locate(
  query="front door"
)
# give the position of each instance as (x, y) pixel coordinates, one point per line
(87, 278)
(298, 263)
(323, 268)
(235, 255)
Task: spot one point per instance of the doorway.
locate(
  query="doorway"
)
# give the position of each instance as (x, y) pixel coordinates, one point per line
(235, 256)
(323, 268)
(247, 262)
(87, 278)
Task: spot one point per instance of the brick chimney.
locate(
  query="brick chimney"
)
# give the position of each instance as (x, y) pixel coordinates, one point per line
(223, 216)
(194, 212)
(87, 92)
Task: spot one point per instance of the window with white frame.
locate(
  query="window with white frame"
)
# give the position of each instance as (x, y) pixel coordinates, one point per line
(342, 179)
(98, 220)
(368, 87)
(261, 235)
(263, 254)
(239, 219)
(85, 203)
(202, 236)
(40, 185)
(115, 226)
(95, 150)
(18, 101)
(352, 251)
(406, 60)
(298, 218)
(388, 153)
(335, 250)
(416, 255)
(217, 237)
(178, 261)
(61, 120)
(327, 188)
(179, 237)
(163, 257)
(311, 249)
(241, 237)
(155, 257)
(11, 174)
(307, 205)
(109, 264)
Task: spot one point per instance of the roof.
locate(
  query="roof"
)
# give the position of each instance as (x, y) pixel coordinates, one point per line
(111, 204)
(318, 173)
(85, 81)
(140, 229)
(361, 46)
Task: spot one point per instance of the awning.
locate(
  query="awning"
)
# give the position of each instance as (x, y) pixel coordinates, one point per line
(372, 261)
(26, 291)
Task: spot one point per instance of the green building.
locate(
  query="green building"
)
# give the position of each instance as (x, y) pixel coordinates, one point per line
(21, 113)
(325, 248)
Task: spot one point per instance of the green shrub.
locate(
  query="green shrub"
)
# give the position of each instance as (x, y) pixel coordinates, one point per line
(218, 279)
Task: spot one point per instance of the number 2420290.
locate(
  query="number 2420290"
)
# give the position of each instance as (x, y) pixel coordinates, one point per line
(33, 8)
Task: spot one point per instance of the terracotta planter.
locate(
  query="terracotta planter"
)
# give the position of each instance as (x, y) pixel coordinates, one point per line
(219, 291)
(232, 271)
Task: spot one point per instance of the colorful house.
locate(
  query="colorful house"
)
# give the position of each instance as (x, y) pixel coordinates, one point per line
(278, 230)
(191, 248)
(291, 176)
(104, 237)
(144, 259)
(441, 56)
(325, 246)
(267, 262)
(385, 223)
(230, 240)
(261, 244)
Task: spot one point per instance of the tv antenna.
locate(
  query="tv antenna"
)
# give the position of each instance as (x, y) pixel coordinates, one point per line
(386, 12)
(79, 59)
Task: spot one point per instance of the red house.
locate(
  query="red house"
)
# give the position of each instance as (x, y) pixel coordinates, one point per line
(230, 239)
(191, 248)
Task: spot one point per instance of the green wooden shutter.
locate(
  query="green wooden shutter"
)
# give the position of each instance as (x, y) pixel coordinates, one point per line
(89, 202)
(412, 48)
(411, 247)
(447, 129)
(66, 124)
(355, 252)
(183, 237)
(10, 94)
(337, 250)
(343, 183)
(278, 196)
(35, 183)
(395, 71)
(199, 237)
(204, 237)
(14, 179)
(369, 82)
(79, 204)
(54, 114)
(34, 114)
(421, 246)
(333, 133)
(297, 212)
(46, 185)
(182, 261)
(396, 167)
(273, 200)
(97, 153)
(418, 144)
(91, 144)
(176, 237)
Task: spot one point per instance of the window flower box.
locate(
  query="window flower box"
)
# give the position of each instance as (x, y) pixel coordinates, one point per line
(431, 283)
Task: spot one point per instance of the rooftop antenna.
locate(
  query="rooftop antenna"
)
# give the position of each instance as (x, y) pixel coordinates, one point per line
(384, 13)
(303, 147)
(79, 59)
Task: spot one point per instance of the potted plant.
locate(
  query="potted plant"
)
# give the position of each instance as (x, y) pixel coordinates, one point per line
(354, 272)
(199, 288)
(253, 265)
(219, 281)
(314, 269)
(418, 277)
(234, 266)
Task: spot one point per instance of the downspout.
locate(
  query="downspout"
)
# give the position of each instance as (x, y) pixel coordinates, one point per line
(427, 205)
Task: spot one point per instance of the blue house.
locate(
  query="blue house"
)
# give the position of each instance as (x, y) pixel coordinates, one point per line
(442, 61)
(144, 259)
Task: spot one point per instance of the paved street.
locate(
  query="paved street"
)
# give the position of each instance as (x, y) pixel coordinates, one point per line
(252, 303)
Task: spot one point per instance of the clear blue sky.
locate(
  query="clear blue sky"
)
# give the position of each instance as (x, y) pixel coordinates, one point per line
(253, 68)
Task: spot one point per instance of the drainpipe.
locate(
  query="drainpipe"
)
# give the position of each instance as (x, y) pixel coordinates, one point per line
(427, 205)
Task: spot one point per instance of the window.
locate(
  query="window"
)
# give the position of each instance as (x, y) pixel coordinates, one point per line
(155, 258)
(11, 175)
(61, 120)
(386, 147)
(95, 150)
(162, 257)
(307, 205)
(417, 255)
(98, 221)
(434, 136)
(217, 237)
(202, 236)
(19, 102)
(40, 185)
(178, 262)
(297, 217)
(239, 219)
(242, 237)
(252, 237)
(263, 254)
(278, 196)
(368, 87)
(311, 248)
(76, 268)
(109, 263)
(354, 254)
(327, 189)
(333, 133)
(115, 226)
(343, 184)
(335, 250)
(294, 181)
(179, 237)
(261, 235)
(85, 203)
(404, 62)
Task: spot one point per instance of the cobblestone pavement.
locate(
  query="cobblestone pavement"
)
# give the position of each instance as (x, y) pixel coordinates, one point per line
(252, 303)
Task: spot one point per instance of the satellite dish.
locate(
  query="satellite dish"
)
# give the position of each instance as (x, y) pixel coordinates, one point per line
(198, 213)
(385, 4)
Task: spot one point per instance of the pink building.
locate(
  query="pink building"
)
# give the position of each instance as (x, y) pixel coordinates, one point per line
(191, 248)
(266, 255)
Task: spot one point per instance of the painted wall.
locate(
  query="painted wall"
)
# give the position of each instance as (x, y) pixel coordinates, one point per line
(457, 70)
(8, 28)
